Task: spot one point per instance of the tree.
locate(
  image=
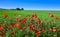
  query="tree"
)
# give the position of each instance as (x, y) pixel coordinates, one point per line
(22, 8)
(17, 8)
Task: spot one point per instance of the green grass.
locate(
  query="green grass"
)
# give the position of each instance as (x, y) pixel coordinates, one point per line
(40, 13)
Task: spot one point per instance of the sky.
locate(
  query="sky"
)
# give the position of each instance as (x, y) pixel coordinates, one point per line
(31, 4)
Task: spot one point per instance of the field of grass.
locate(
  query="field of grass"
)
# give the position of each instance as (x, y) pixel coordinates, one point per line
(43, 15)
(40, 13)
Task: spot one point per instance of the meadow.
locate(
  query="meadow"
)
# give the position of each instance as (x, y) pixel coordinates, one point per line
(29, 23)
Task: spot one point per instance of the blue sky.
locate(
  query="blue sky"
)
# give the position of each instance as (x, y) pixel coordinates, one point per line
(31, 4)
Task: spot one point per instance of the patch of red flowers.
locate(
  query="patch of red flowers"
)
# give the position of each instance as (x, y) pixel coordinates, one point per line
(23, 20)
(31, 26)
(1, 27)
(54, 29)
(5, 15)
(51, 15)
(18, 26)
(37, 32)
(57, 18)
(38, 20)
(34, 15)
(13, 33)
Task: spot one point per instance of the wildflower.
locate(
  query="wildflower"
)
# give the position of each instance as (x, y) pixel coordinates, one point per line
(11, 26)
(57, 18)
(50, 29)
(1, 27)
(54, 29)
(17, 18)
(5, 15)
(37, 21)
(31, 26)
(34, 15)
(13, 33)
(18, 26)
(11, 23)
(37, 32)
(51, 15)
(23, 20)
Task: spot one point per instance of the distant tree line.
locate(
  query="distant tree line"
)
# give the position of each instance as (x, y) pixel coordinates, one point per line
(12, 9)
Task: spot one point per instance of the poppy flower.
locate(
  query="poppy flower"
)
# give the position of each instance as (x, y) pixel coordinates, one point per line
(11, 26)
(57, 18)
(13, 33)
(1, 27)
(31, 26)
(17, 18)
(50, 29)
(37, 21)
(54, 29)
(34, 15)
(11, 23)
(23, 20)
(37, 32)
(18, 26)
(51, 15)
(5, 15)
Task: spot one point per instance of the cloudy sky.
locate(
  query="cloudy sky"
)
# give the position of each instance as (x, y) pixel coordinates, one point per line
(31, 4)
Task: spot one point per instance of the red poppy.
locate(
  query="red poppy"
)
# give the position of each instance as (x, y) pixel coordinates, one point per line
(11, 23)
(11, 26)
(1, 27)
(34, 15)
(17, 18)
(5, 15)
(51, 15)
(38, 20)
(31, 26)
(18, 26)
(37, 32)
(13, 33)
(24, 20)
(54, 29)
(57, 18)
(50, 29)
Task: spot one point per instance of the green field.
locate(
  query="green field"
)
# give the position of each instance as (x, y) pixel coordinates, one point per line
(40, 13)
(44, 17)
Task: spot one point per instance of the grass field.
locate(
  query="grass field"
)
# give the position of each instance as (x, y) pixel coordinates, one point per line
(40, 13)
(44, 17)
